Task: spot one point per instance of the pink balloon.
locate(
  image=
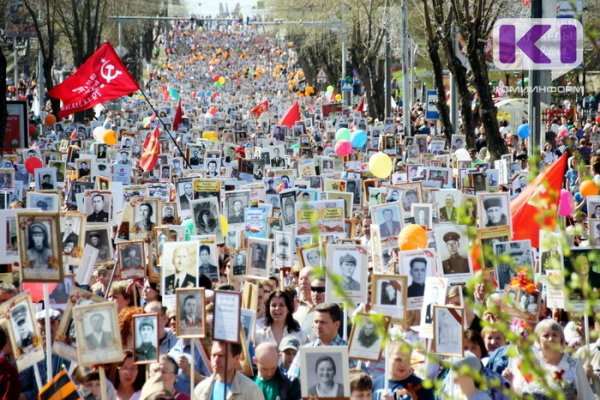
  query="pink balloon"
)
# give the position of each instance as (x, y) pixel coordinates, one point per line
(343, 148)
(566, 204)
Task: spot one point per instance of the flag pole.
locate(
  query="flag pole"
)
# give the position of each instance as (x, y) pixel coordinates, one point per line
(187, 163)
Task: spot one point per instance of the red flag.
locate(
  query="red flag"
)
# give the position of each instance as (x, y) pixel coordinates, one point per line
(259, 109)
(177, 117)
(536, 206)
(291, 116)
(361, 106)
(102, 77)
(151, 150)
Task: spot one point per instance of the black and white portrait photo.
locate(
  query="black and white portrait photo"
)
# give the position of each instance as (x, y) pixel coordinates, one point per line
(98, 207)
(99, 336)
(23, 331)
(259, 256)
(185, 194)
(132, 260)
(435, 294)
(325, 371)
(422, 214)
(99, 238)
(284, 251)
(209, 261)
(448, 330)
(179, 266)
(452, 244)
(389, 218)
(190, 312)
(38, 246)
(71, 224)
(348, 263)
(288, 207)
(365, 341)
(145, 216)
(447, 201)
(45, 178)
(417, 265)
(236, 202)
(145, 338)
(239, 264)
(494, 210)
(206, 217)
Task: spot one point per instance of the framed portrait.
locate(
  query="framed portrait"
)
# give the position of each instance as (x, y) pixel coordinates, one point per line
(435, 294)
(448, 330)
(39, 249)
(388, 295)
(581, 277)
(9, 246)
(284, 249)
(258, 263)
(7, 178)
(325, 371)
(493, 209)
(167, 213)
(185, 194)
(551, 251)
(233, 239)
(288, 204)
(22, 331)
(439, 174)
(512, 257)
(99, 237)
(145, 214)
(65, 342)
(366, 339)
(191, 317)
(594, 232)
(389, 218)
(179, 262)
(239, 264)
(145, 338)
(226, 316)
(132, 259)
(422, 214)
(72, 231)
(274, 224)
(447, 201)
(350, 263)
(45, 178)
(209, 259)
(206, 217)
(99, 337)
(452, 243)
(235, 203)
(417, 265)
(248, 317)
(457, 142)
(98, 205)
(310, 255)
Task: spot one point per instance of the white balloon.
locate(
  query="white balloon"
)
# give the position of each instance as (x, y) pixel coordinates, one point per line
(462, 155)
(98, 134)
(597, 180)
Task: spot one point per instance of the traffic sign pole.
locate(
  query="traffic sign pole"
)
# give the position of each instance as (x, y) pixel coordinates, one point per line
(534, 145)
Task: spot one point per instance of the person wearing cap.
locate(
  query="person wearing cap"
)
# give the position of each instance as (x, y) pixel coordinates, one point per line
(146, 351)
(23, 328)
(347, 267)
(38, 247)
(98, 338)
(96, 242)
(455, 263)
(493, 212)
(288, 348)
(272, 381)
(283, 256)
(389, 227)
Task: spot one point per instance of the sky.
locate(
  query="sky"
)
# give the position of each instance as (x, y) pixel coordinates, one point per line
(211, 7)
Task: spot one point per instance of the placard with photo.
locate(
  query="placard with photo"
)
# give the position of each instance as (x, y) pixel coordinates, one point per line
(511, 258)
(259, 258)
(206, 217)
(39, 249)
(448, 330)
(417, 265)
(388, 295)
(284, 249)
(226, 316)
(99, 337)
(235, 202)
(447, 201)
(132, 259)
(239, 264)
(493, 210)
(72, 229)
(452, 243)
(45, 179)
(350, 263)
(179, 262)
(367, 336)
(551, 254)
(326, 371)
(98, 206)
(581, 277)
(435, 294)
(422, 214)
(99, 237)
(389, 218)
(145, 338)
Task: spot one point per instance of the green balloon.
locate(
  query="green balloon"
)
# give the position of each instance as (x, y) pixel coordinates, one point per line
(295, 146)
(343, 134)
(330, 89)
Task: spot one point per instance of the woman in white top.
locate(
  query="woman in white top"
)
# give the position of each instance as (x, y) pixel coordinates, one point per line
(561, 372)
(279, 321)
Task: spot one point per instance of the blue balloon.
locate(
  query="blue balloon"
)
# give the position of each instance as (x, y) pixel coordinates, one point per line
(358, 139)
(578, 197)
(523, 131)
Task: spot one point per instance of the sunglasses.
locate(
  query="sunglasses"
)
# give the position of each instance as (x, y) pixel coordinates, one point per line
(317, 289)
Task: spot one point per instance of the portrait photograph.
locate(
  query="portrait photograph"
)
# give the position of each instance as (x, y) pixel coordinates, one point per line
(447, 201)
(417, 265)
(145, 338)
(168, 213)
(511, 257)
(310, 255)
(226, 316)
(22, 329)
(594, 232)
(179, 262)
(452, 243)
(45, 179)
(7, 178)
(236, 201)
(288, 206)
(435, 294)
(39, 250)
(389, 218)
(284, 249)
(248, 318)
(209, 259)
(98, 206)
(439, 174)
(99, 237)
(325, 371)
(448, 330)
(83, 168)
(191, 318)
(206, 217)
(65, 341)
(9, 246)
(348, 263)
(132, 259)
(98, 332)
(44, 201)
(581, 277)
(366, 338)
(258, 263)
(550, 252)
(72, 232)
(457, 142)
(145, 212)
(185, 194)
(422, 214)
(493, 210)
(239, 264)
(388, 295)
(233, 239)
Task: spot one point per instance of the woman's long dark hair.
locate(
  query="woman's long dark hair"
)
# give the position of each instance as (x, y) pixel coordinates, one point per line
(290, 322)
(139, 379)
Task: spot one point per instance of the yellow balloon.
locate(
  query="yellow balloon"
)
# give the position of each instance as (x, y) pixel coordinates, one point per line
(380, 165)
(110, 137)
(222, 80)
(224, 225)
(338, 97)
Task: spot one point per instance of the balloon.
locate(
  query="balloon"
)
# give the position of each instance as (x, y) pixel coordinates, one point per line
(523, 131)
(597, 180)
(98, 134)
(210, 135)
(380, 165)
(188, 224)
(295, 146)
(49, 119)
(32, 164)
(462, 155)
(218, 85)
(216, 78)
(338, 97)
(565, 204)
(358, 139)
(222, 80)
(412, 237)
(330, 89)
(588, 188)
(578, 197)
(32, 129)
(224, 224)
(563, 132)
(343, 148)
(343, 134)
(110, 137)
(213, 110)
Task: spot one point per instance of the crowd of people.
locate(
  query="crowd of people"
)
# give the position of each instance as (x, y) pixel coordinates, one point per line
(239, 177)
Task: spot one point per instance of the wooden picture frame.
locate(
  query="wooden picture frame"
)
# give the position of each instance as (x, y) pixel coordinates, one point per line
(390, 303)
(39, 249)
(364, 343)
(91, 351)
(226, 316)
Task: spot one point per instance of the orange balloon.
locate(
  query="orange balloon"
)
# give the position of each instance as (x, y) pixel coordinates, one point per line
(412, 237)
(49, 119)
(588, 188)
